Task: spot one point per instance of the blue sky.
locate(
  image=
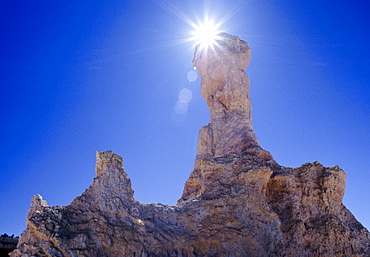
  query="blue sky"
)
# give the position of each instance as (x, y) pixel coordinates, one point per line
(85, 76)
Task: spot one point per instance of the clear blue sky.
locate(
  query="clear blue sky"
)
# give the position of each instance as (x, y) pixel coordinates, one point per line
(85, 76)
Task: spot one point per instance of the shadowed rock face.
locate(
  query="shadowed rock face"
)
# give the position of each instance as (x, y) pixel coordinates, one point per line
(237, 201)
(7, 244)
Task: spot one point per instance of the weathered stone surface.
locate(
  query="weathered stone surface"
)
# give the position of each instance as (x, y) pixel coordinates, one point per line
(225, 87)
(237, 201)
(246, 207)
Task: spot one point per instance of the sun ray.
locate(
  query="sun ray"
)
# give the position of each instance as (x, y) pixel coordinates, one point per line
(203, 28)
(205, 33)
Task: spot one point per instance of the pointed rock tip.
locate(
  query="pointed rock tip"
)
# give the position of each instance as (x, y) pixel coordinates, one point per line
(104, 158)
(37, 204)
(38, 201)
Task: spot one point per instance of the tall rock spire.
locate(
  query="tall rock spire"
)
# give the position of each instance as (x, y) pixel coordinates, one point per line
(225, 87)
(229, 137)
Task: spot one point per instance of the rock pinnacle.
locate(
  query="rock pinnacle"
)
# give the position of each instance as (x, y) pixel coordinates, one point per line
(225, 87)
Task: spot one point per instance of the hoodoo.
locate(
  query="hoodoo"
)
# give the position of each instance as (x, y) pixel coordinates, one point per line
(237, 201)
(225, 87)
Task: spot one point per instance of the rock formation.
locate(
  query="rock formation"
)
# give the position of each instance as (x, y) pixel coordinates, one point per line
(225, 87)
(237, 201)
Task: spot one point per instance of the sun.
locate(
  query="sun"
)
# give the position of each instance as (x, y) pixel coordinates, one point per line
(205, 34)
(205, 27)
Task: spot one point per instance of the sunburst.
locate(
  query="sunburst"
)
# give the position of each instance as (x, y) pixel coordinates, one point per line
(205, 33)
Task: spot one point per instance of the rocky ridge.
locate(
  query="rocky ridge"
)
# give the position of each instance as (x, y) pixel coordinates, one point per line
(237, 201)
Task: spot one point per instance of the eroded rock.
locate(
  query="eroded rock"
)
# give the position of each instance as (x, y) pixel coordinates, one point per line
(225, 87)
(237, 201)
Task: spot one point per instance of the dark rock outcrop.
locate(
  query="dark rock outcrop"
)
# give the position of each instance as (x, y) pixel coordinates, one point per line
(7, 244)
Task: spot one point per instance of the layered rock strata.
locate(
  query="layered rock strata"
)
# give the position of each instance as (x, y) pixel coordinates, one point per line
(237, 201)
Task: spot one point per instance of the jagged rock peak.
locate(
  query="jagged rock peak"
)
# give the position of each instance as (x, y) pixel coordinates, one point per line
(237, 201)
(247, 208)
(37, 203)
(107, 160)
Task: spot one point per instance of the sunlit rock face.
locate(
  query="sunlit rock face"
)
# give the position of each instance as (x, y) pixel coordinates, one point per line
(237, 201)
(225, 87)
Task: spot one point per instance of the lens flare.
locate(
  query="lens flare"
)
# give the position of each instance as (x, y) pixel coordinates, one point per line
(192, 76)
